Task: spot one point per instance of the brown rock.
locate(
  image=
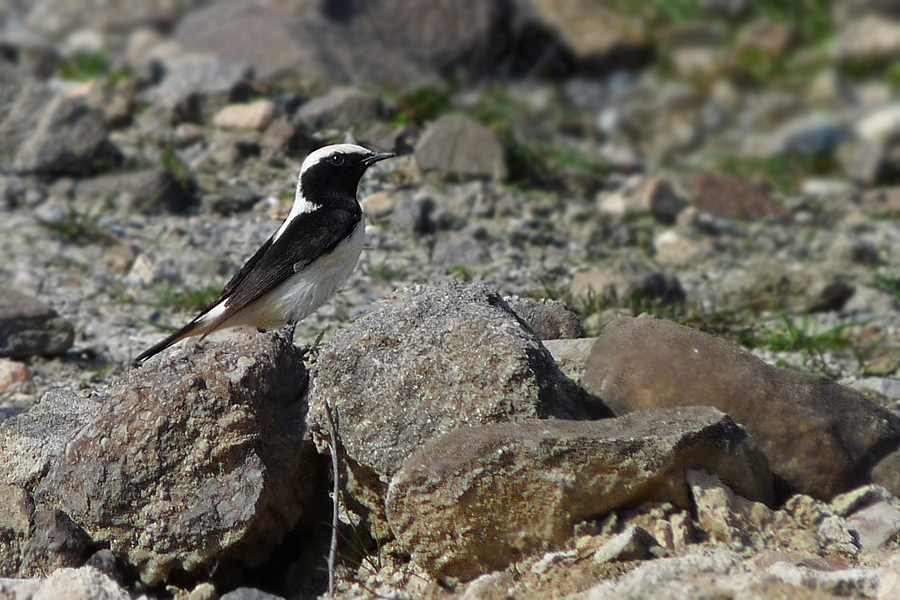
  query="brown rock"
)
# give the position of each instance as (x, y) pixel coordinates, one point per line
(820, 437)
(734, 198)
(118, 259)
(195, 461)
(14, 376)
(549, 319)
(479, 498)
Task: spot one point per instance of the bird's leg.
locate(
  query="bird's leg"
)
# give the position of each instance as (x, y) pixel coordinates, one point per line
(289, 330)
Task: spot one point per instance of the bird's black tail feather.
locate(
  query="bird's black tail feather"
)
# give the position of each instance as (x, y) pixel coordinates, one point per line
(185, 332)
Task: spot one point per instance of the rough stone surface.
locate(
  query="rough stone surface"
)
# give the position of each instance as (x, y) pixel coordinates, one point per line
(193, 461)
(461, 147)
(602, 133)
(407, 355)
(28, 327)
(251, 33)
(523, 486)
(725, 516)
(876, 525)
(820, 438)
(30, 441)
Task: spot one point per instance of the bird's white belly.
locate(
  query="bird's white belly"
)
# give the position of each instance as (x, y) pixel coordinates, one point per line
(305, 291)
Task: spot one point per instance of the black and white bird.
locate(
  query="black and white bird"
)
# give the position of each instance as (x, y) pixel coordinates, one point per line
(305, 261)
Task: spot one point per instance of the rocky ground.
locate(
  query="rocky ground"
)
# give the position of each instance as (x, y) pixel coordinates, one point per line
(728, 167)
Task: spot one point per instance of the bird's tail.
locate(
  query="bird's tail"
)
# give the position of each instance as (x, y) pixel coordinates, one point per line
(195, 327)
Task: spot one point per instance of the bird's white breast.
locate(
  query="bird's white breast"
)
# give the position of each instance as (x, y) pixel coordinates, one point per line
(311, 287)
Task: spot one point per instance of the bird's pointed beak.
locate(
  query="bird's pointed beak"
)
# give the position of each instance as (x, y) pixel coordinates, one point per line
(371, 160)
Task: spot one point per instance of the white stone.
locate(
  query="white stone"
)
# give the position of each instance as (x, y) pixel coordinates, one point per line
(881, 125)
(255, 116)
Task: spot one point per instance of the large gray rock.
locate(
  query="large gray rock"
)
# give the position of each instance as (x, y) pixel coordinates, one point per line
(28, 327)
(820, 438)
(194, 461)
(479, 498)
(53, 18)
(461, 147)
(196, 87)
(427, 360)
(396, 43)
(343, 108)
(42, 131)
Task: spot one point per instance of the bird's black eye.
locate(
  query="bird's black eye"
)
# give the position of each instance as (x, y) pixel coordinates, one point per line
(337, 159)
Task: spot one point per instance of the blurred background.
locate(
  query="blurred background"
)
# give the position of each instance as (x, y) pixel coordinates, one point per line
(774, 90)
(729, 164)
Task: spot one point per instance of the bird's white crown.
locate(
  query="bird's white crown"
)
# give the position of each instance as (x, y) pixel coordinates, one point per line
(324, 152)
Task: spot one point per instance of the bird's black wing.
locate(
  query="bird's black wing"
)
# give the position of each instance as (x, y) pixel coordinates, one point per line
(308, 237)
(240, 275)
